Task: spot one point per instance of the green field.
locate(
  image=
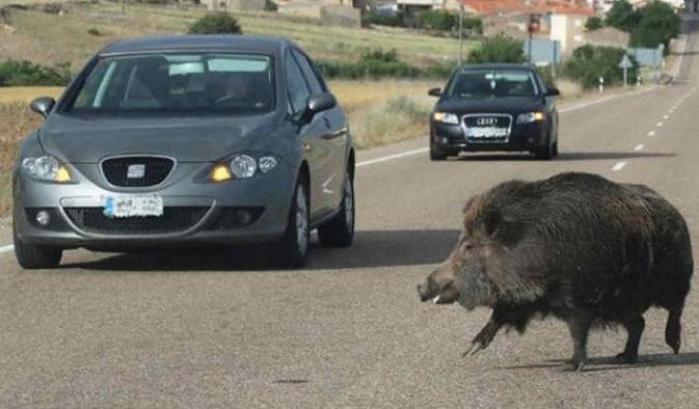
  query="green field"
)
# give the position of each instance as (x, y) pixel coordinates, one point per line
(52, 38)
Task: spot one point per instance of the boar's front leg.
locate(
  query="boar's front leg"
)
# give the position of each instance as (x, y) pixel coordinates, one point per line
(579, 326)
(635, 327)
(483, 339)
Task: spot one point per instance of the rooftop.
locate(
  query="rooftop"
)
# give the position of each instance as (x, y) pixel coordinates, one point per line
(268, 45)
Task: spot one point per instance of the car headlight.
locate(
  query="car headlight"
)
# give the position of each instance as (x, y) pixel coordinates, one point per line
(47, 169)
(242, 166)
(446, 117)
(529, 117)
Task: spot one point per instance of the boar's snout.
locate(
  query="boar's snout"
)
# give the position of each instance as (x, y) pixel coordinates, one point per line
(438, 293)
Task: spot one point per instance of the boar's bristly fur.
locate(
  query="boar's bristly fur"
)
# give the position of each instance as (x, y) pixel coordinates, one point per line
(576, 246)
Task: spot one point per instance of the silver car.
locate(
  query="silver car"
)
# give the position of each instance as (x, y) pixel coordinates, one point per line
(187, 140)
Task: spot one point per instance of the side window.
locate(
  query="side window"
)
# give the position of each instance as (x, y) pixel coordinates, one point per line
(313, 81)
(296, 86)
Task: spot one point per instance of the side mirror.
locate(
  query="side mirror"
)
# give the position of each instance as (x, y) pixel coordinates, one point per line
(435, 92)
(553, 92)
(319, 103)
(43, 105)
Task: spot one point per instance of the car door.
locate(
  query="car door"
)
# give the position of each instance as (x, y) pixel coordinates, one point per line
(335, 136)
(311, 132)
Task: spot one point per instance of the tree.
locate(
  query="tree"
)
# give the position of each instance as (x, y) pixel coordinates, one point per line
(498, 49)
(658, 25)
(594, 23)
(218, 22)
(623, 16)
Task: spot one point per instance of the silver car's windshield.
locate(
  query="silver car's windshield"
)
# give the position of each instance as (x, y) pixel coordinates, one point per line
(498, 83)
(193, 82)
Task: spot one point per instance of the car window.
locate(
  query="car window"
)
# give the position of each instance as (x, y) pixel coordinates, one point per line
(231, 83)
(493, 83)
(311, 76)
(297, 87)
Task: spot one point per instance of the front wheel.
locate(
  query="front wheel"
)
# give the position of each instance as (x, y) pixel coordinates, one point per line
(437, 154)
(292, 249)
(32, 257)
(339, 231)
(546, 152)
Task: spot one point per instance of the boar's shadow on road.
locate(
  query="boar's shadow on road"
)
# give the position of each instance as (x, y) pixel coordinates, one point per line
(611, 363)
(371, 249)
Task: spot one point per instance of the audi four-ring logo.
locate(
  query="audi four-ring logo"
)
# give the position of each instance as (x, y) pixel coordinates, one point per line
(486, 121)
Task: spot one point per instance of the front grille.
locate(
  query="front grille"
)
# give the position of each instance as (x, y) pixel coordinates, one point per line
(125, 172)
(493, 121)
(173, 220)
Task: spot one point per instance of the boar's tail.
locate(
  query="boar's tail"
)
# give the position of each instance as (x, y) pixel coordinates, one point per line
(673, 329)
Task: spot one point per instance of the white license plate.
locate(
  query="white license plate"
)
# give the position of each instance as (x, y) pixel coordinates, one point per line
(486, 132)
(133, 206)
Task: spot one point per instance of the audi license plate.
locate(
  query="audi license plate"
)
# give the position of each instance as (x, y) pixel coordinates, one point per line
(489, 132)
(133, 206)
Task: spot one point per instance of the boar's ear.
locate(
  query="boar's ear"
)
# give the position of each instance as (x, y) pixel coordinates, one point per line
(501, 228)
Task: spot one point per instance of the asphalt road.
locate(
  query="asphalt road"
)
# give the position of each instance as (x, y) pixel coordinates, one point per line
(220, 330)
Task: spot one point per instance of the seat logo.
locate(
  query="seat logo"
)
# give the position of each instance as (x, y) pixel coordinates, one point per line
(486, 121)
(137, 171)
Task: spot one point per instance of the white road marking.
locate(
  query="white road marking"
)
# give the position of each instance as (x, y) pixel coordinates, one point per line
(639, 147)
(659, 124)
(392, 157)
(619, 166)
(666, 116)
(651, 133)
(6, 249)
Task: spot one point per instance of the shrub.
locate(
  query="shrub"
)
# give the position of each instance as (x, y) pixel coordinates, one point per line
(376, 18)
(24, 73)
(498, 49)
(547, 75)
(375, 64)
(594, 23)
(658, 25)
(473, 26)
(271, 6)
(219, 22)
(588, 63)
(94, 32)
(440, 20)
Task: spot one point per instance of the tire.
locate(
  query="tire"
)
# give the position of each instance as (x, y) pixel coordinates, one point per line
(339, 231)
(292, 249)
(436, 154)
(546, 152)
(32, 257)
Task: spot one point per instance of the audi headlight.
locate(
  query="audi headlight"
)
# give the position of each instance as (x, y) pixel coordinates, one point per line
(47, 169)
(243, 166)
(529, 117)
(446, 117)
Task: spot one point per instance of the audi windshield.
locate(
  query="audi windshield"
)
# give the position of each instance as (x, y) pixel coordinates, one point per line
(498, 83)
(183, 83)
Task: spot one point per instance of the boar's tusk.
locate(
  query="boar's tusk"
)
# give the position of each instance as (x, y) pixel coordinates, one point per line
(435, 300)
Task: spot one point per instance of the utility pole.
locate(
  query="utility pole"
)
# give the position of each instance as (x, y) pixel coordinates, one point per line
(461, 34)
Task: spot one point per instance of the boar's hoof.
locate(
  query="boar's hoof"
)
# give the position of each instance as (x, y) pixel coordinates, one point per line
(627, 357)
(578, 365)
(475, 348)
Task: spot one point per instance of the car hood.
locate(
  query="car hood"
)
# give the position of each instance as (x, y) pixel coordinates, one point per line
(88, 139)
(510, 105)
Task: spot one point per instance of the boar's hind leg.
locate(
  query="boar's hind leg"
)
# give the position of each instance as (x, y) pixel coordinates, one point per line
(634, 325)
(483, 339)
(579, 326)
(673, 329)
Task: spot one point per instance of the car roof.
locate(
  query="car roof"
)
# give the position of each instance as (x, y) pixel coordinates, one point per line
(499, 66)
(257, 44)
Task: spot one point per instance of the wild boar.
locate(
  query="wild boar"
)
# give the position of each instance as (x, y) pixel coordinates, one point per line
(576, 246)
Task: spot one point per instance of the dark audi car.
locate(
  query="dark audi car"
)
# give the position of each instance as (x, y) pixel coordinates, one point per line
(503, 107)
(173, 141)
